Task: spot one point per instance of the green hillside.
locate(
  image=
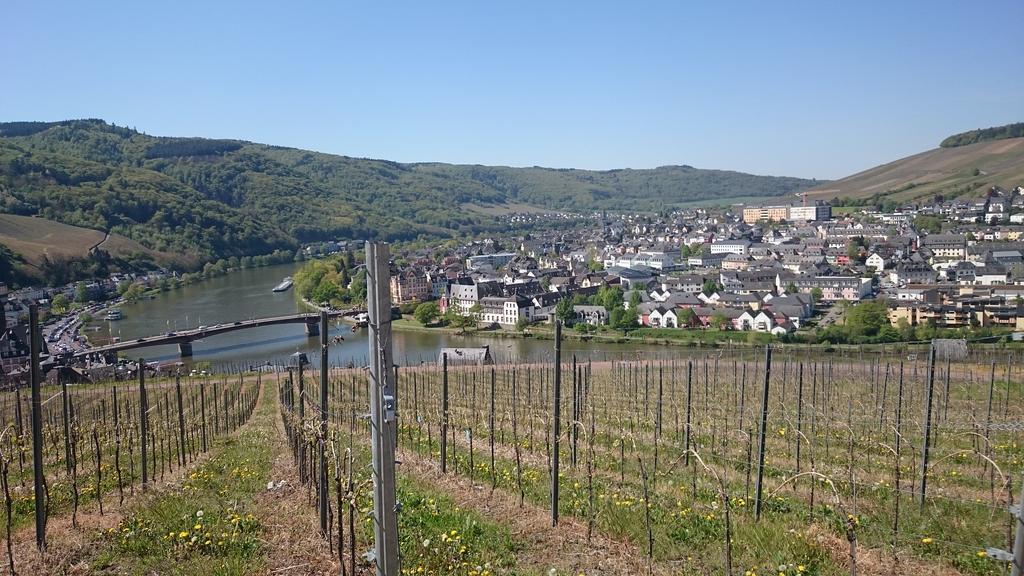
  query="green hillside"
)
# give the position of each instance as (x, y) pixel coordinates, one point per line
(955, 171)
(204, 199)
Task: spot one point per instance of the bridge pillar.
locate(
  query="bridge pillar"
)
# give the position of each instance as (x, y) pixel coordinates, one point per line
(312, 328)
(185, 348)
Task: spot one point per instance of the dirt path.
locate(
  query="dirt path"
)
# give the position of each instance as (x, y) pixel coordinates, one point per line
(293, 544)
(564, 548)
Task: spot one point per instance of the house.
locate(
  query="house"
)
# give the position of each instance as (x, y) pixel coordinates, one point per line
(913, 273)
(662, 317)
(14, 349)
(410, 285)
(990, 274)
(757, 321)
(946, 246)
(736, 262)
(876, 261)
(636, 277)
(505, 311)
(466, 356)
(593, 315)
(466, 293)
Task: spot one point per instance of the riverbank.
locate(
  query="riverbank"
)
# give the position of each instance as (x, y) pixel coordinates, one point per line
(669, 337)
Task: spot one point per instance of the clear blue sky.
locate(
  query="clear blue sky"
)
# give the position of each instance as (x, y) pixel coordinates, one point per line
(814, 89)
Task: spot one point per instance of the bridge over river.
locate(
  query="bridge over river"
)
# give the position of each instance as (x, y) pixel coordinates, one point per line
(184, 338)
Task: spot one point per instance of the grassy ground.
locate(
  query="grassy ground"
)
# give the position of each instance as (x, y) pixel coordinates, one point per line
(206, 524)
(629, 489)
(34, 238)
(221, 519)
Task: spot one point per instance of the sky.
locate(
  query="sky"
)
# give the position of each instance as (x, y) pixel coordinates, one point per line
(815, 89)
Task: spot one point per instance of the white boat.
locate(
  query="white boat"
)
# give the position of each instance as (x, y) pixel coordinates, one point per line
(114, 314)
(284, 285)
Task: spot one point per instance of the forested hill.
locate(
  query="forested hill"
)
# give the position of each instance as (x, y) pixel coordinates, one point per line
(984, 135)
(215, 198)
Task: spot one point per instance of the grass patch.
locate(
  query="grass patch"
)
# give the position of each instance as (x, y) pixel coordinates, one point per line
(439, 537)
(205, 525)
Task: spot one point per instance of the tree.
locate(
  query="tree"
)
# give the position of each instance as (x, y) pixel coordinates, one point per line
(686, 317)
(791, 288)
(622, 319)
(928, 224)
(59, 304)
(709, 287)
(475, 312)
(564, 311)
(635, 300)
(133, 292)
(609, 296)
(81, 293)
(719, 321)
(523, 323)
(85, 318)
(854, 249)
(816, 295)
(427, 313)
(867, 318)
(594, 266)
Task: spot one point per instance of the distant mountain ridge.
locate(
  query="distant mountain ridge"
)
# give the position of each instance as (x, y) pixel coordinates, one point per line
(206, 198)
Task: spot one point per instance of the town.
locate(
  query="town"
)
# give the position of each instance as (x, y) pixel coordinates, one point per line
(773, 269)
(768, 270)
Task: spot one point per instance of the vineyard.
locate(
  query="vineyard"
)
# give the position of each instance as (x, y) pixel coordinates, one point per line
(657, 466)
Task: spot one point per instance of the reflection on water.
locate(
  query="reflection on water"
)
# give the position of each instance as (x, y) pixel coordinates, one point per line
(246, 294)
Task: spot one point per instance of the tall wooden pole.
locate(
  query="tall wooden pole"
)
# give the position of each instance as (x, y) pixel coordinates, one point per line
(321, 444)
(764, 436)
(35, 347)
(143, 420)
(927, 425)
(444, 413)
(556, 418)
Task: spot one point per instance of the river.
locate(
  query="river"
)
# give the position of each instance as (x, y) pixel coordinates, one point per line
(245, 294)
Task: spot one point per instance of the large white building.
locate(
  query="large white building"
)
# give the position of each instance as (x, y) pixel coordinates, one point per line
(730, 247)
(813, 213)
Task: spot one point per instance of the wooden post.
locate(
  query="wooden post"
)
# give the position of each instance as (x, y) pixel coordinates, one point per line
(181, 419)
(35, 346)
(764, 424)
(556, 415)
(202, 409)
(689, 408)
(444, 413)
(927, 425)
(143, 421)
(490, 431)
(322, 456)
(66, 413)
(303, 472)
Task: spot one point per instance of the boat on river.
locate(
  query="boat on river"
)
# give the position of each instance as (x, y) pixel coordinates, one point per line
(284, 285)
(114, 314)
